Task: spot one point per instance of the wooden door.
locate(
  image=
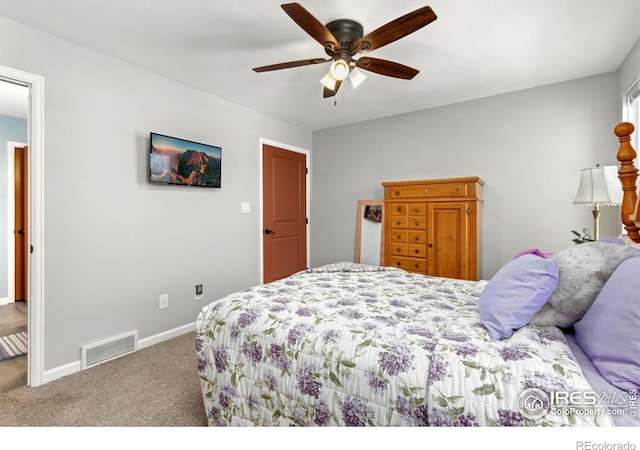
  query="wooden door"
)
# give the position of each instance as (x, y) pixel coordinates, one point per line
(284, 212)
(21, 231)
(447, 239)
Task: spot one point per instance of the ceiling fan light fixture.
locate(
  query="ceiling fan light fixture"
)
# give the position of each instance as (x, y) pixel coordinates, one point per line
(329, 82)
(357, 77)
(339, 69)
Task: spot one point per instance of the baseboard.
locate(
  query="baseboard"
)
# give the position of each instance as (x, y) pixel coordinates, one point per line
(4, 301)
(61, 371)
(166, 335)
(76, 366)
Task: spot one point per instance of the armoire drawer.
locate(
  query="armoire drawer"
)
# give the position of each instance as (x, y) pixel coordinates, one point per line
(399, 236)
(399, 222)
(416, 237)
(410, 264)
(417, 222)
(417, 250)
(400, 249)
(399, 209)
(429, 190)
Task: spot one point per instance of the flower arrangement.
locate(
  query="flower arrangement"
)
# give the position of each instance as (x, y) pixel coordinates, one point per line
(582, 238)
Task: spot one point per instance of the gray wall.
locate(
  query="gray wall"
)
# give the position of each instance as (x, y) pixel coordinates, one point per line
(528, 147)
(11, 129)
(113, 242)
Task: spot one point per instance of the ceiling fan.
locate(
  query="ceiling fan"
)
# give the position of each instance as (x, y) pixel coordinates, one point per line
(342, 39)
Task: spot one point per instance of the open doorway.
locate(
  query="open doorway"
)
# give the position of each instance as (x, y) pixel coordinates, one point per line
(31, 293)
(14, 101)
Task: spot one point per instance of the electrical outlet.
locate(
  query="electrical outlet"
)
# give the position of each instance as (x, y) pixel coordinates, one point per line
(198, 291)
(163, 301)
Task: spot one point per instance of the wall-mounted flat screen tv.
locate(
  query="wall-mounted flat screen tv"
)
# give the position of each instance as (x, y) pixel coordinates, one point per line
(179, 161)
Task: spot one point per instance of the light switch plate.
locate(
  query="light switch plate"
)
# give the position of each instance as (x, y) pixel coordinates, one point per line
(163, 301)
(245, 207)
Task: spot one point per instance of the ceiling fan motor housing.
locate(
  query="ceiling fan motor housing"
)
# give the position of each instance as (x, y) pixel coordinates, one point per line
(346, 32)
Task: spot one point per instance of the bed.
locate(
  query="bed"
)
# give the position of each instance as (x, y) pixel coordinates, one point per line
(349, 344)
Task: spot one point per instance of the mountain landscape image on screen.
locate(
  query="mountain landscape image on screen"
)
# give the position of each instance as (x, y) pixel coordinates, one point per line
(193, 166)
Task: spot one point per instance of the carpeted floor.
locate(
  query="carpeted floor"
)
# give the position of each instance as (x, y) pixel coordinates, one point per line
(156, 386)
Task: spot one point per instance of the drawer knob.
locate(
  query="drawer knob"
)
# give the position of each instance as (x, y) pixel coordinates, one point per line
(397, 192)
(398, 249)
(398, 222)
(398, 236)
(430, 245)
(416, 265)
(399, 209)
(417, 209)
(417, 251)
(456, 190)
(417, 238)
(417, 223)
(398, 264)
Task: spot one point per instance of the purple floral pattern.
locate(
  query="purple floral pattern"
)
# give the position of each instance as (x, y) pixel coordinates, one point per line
(357, 345)
(355, 412)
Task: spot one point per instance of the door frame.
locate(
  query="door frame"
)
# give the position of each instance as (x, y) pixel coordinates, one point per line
(307, 153)
(35, 264)
(11, 272)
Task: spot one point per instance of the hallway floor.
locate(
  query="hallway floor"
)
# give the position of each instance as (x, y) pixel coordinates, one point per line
(13, 372)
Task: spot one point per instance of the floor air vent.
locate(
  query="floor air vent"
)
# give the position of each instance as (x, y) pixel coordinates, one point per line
(109, 349)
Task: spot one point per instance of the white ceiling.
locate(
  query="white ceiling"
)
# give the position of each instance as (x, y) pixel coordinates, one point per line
(474, 49)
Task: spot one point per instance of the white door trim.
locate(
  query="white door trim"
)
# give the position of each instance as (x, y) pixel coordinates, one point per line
(35, 276)
(307, 154)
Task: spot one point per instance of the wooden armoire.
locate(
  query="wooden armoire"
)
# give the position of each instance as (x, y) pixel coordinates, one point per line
(433, 227)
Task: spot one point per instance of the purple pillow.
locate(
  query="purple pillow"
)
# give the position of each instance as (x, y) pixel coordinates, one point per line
(532, 251)
(515, 293)
(609, 332)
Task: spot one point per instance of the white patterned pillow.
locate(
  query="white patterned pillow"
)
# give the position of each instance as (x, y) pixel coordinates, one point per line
(582, 271)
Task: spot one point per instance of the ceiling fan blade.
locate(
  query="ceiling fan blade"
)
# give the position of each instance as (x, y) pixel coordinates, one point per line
(396, 29)
(311, 25)
(290, 64)
(328, 92)
(388, 68)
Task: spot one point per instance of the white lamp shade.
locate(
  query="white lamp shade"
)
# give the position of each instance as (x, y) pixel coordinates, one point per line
(599, 186)
(329, 82)
(356, 76)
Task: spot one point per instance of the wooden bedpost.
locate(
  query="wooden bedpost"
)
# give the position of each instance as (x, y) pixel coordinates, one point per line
(628, 175)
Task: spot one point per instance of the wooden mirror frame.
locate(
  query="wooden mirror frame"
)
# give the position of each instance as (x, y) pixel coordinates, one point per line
(362, 204)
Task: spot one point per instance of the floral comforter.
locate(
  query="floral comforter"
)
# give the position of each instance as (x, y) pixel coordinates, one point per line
(356, 345)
